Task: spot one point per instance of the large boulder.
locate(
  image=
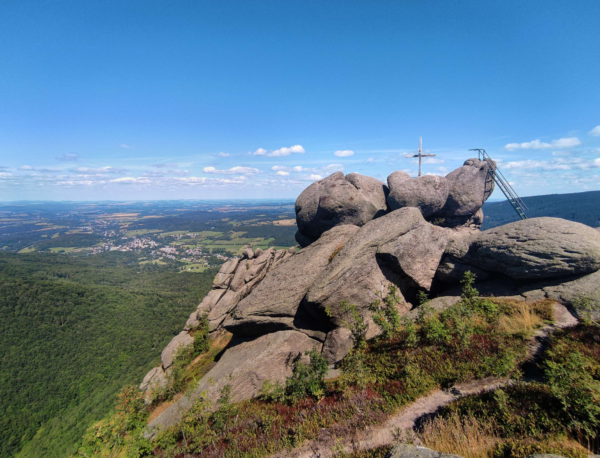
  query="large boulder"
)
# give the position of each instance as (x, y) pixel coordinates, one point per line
(273, 304)
(181, 340)
(417, 253)
(469, 187)
(356, 275)
(352, 199)
(581, 294)
(245, 366)
(337, 344)
(428, 193)
(532, 249)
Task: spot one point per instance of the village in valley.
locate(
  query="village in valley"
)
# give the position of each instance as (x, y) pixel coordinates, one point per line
(197, 235)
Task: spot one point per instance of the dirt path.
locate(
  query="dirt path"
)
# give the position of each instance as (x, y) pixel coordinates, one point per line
(377, 436)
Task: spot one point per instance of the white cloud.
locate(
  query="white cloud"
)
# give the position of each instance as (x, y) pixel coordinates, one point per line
(315, 177)
(430, 160)
(298, 168)
(180, 173)
(296, 149)
(538, 144)
(370, 160)
(38, 169)
(282, 173)
(344, 153)
(557, 164)
(560, 153)
(279, 167)
(232, 171)
(332, 168)
(595, 131)
(164, 166)
(223, 155)
(131, 180)
(5, 174)
(566, 142)
(99, 170)
(123, 145)
(69, 157)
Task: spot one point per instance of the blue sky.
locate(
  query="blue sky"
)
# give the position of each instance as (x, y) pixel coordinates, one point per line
(236, 99)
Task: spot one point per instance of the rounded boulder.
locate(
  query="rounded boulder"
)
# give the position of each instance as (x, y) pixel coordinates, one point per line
(352, 199)
(428, 193)
(469, 187)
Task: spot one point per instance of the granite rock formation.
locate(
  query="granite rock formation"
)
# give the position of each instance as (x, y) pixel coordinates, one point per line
(278, 304)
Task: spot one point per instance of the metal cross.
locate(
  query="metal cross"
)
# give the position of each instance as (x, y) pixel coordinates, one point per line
(421, 155)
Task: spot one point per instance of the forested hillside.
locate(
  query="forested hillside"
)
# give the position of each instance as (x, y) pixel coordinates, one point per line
(73, 331)
(582, 207)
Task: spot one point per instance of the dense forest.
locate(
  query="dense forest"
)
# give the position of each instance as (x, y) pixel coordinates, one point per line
(582, 207)
(73, 332)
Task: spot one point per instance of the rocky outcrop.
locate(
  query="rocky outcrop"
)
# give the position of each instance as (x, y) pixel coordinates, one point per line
(352, 199)
(416, 254)
(451, 201)
(581, 294)
(428, 193)
(156, 378)
(234, 281)
(244, 276)
(244, 366)
(181, 340)
(532, 249)
(355, 275)
(273, 305)
(469, 187)
(278, 304)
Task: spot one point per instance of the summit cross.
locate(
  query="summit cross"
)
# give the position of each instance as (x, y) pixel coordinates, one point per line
(420, 155)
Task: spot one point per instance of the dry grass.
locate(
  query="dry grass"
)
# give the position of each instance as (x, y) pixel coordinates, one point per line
(522, 320)
(470, 438)
(465, 437)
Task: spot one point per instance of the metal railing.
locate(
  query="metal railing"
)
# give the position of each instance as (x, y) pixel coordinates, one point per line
(502, 183)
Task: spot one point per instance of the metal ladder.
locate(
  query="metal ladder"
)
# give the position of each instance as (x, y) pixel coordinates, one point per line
(508, 191)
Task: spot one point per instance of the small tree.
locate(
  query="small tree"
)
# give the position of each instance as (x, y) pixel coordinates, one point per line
(385, 312)
(307, 379)
(356, 323)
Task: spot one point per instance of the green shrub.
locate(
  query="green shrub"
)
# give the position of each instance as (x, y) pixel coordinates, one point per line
(547, 417)
(354, 321)
(571, 383)
(385, 313)
(109, 434)
(201, 336)
(586, 306)
(306, 380)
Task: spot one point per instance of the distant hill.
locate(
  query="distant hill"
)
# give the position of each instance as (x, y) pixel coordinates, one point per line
(582, 207)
